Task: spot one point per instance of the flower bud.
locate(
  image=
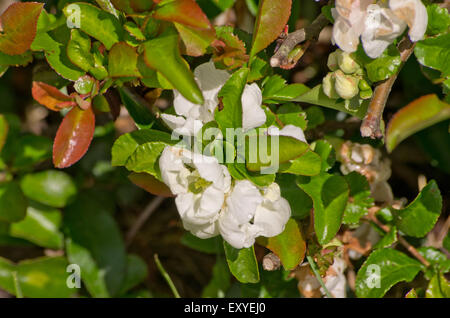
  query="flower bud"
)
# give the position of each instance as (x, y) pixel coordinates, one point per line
(84, 85)
(328, 85)
(333, 60)
(346, 85)
(347, 64)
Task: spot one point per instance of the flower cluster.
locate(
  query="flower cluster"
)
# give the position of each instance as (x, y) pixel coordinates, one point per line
(377, 24)
(346, 79)
(208, 200)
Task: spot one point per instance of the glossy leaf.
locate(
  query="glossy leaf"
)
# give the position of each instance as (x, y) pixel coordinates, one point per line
(95, 245)
(30, 150)
(301, 204)
(275, 90)
(19, 23)
(360, 201)
(163, 55)
(329, 194)
(79, 50)
(40, 226)
(242, 263)
(289, 246)
(382, 67)
(146, 158)
(50, 187)
(123, 61)
(73, 137)
(150, 184)
(43, 277)
(389, 267)
(316, 96)
(195, 41)
(127, 144)
(308, 164)
(97, 23)
(51, 97)
(186, 12)
(439, 287)
(418, 115)
(271, 20)
(13, 204)
(418, 218)
(438, 19)
(230, 94)
(434, 52)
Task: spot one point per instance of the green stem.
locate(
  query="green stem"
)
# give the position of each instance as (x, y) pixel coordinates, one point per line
(319, 278)
(166, 277)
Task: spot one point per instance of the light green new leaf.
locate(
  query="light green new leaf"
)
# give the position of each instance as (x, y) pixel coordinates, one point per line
(329, 194)
(438, 287)
(97, 23)
(163, 54)
(383, 269)
(438, 20)
(242, 263)
(435, 53)
(418, 218)
(146, 158)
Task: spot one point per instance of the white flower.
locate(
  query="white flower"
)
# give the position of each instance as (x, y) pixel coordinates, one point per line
(287, 131)
(248, 213)
(377, 24)
(199, 183)
(191, 117)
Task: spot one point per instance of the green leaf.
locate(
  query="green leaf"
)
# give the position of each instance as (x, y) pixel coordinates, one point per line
(438, 287)
(329, 194)
(301, 204)
(54, 44)
(292, 114)
(163, 54)
(4, 127)
(316, 96)
(326, 152)
(258, 155)
(382, 67)
(388, 239)
(30, 150)
(435, 53)
(146, 158)
(13, 204)
(258, 69)
(96, 245)
(438, 20)
(289, 246)
(242, 263)
(50, 187)
(420, 114)
(209, 246)
(79, 50)
(438, 260)
(275, 90)
(136, 273)
(123, 61)
(308, 164)
(97, 23)
(231, 114)
(270, 22)
(15, 60)
(127, 144)
(40, 226)
(388, 267)
(418, 218)
(360, 201)
(43, 277)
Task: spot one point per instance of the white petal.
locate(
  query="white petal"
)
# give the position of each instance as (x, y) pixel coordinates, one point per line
(182, 106)
(210, 80)
(174, 122)
(272, 217)
(243, 201)
(414, 13)
(252, 114)
(288, 131)
(237, 235)
(173, 171)
(345, 36)
(203, 231)
(211, 202)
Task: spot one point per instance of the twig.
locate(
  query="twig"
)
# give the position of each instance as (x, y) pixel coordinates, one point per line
(319, 278)
(166, 277)
(371, 124)
(309, 33)
(151, 207)
(371, 217)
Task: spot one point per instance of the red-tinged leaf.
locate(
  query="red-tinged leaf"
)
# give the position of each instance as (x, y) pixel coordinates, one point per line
(420, 114)
(73, 137)
(19, 24)
(185, 12)
(229, 50)
(195, 41)
(51, 97)
(122, 61)
(289, 246)
(271, 20)
(150, 184)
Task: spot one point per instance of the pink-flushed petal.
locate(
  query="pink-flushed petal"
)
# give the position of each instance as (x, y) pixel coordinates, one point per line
(414, 13)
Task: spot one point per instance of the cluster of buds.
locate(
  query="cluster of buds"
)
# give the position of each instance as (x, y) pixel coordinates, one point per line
(347, 80)
(368, 161)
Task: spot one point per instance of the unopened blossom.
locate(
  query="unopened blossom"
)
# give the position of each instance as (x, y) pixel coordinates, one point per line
(377, 23)
(250, 212)
(190, 117)
(199, 183)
